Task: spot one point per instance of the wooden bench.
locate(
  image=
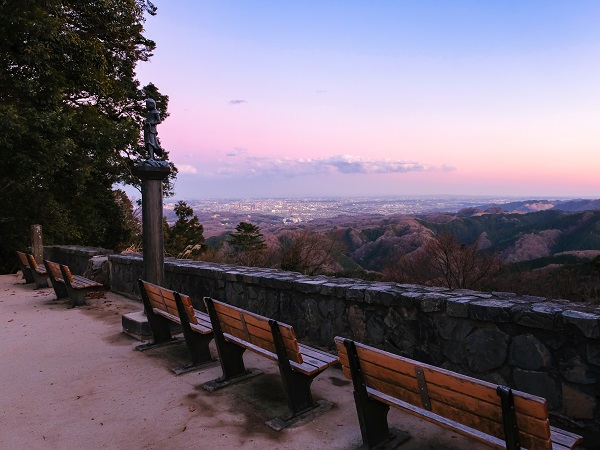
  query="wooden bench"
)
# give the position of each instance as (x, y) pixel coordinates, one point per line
(237, 330)
(163, 306)
(40, 274)
(66, 284)
(24, 266)
(495, 415)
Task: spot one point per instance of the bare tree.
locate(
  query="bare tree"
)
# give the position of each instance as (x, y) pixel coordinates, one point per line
(459, 266)
(307, 251)
(445, 261)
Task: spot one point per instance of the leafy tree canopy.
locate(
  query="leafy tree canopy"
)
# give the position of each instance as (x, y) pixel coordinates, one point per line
(247, 238)
(70, 116)
(186, 233)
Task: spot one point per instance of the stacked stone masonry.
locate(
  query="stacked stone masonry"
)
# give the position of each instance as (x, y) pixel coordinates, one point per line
(78, 258)
(547, 348)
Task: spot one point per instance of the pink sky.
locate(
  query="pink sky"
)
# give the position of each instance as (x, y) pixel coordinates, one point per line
(348, 98)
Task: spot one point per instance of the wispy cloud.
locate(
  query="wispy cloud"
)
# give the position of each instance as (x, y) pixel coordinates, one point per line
(186, 168)
(237, 102)
(343, 164)
(237, 151)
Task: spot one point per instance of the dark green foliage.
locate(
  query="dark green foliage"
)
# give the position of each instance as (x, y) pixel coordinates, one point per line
(70, 117)
(216, 242)
(247, 238)
(186, 233)
(247, 246)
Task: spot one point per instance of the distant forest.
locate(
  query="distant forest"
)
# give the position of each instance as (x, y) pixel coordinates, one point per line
(550, 253)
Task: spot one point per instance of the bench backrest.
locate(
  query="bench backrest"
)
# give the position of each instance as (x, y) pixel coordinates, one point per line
(23, 258)
(255, 329)
(164, 299)
(464, 400)
(54, 269)
(32, 262)
(67, 273)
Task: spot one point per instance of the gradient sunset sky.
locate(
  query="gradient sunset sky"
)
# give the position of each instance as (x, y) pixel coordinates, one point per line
(371, 98)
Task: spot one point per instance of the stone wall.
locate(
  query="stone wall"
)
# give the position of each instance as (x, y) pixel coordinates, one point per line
(74, 256)
(547, 348)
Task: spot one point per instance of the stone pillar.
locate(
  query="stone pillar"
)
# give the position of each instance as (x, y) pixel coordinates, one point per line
(37, 245)
(152, 173)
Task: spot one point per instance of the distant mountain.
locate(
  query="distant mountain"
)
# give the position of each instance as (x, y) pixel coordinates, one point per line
(516, 237)
(529, 206)
(579, 205)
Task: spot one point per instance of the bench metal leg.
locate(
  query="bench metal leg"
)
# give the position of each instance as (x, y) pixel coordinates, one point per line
(59, 289)
(77, 297)
(297, 388)
(27, 275)
(196, 343)
(372, 415)
(509, 418)
(231, 356)
(297, 385)
(41, 281)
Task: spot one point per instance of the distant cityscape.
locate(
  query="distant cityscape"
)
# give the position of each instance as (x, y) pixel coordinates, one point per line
(219, 215)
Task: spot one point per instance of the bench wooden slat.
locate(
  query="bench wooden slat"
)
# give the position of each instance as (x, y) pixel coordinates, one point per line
(255, 336)
(437, 419)
(563, 439)
(273, 340)
(39, 269)
(250, 318)
(162, 299)
(317, 359)
(459, 406)
(79, 282)
(55, 270)
(202, 325)
(253, 331)
(201, 328)
(23, 258)
(466, 404)
(160, 304)
(256, 330)
(310, 352)
(166, 315)
(305, 368)
(524, 403)
(560, 439)
(189, 309)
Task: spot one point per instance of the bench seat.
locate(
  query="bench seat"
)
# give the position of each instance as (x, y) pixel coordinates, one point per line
(495, 415)
(79, 282)
(66, 284)
(164, 306)
(39, 273)
(237, 330)
(25, 268)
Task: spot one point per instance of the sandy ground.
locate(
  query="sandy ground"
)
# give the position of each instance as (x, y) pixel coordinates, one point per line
(70, 379)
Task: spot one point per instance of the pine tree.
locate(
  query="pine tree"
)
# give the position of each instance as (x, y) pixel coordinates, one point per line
(185, 234)
(247, 238)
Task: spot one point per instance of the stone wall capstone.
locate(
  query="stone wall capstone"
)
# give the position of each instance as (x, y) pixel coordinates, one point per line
(74, 256)
(547, 348)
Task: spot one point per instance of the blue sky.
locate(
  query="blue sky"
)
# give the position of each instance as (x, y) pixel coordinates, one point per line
(379, 98)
